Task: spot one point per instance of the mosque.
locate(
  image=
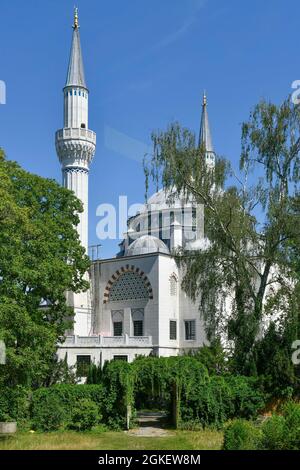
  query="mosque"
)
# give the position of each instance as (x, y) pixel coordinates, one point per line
(135, 305)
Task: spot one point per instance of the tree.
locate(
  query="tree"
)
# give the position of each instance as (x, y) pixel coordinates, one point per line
(250, 220)
(40, 259)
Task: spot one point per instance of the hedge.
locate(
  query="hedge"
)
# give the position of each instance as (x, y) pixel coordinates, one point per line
(52, 408)
(279, 432)
(180, 385)
(14, 404)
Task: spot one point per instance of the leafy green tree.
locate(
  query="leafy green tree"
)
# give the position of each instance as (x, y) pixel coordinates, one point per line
(40, 260)
(250, 221)
(213, 357)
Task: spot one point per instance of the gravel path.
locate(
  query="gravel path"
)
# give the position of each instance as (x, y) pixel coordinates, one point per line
(150, 426)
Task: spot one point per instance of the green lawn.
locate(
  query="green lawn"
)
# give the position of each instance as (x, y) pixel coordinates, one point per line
(177, 440)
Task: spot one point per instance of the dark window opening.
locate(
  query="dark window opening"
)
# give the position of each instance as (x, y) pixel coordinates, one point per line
(190, 330)
(173, 329)
(121, 358)
(82, 126)
(149, 224)
(118, 328)
(82, 365)
(138, 328)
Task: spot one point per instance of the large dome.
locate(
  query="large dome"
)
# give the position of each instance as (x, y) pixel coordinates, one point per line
(166, 200)
(147, 244)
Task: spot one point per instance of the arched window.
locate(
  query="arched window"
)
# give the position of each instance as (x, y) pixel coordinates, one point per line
(173, 284)
(129, 286)
(117, 321)
(137, 315)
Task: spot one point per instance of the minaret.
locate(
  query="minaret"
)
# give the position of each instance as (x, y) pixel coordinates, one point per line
(75, 143)
(205, 140)
(75, 147)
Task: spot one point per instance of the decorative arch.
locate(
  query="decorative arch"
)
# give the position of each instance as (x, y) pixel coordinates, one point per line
(126, 275)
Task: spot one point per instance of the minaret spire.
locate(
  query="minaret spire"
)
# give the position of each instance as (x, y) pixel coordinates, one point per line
(205, 139)
(75, 75)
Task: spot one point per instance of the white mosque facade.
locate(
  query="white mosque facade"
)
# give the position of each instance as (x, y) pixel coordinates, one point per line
(135, 304)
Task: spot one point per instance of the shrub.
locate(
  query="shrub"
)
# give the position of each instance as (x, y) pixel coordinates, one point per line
(273, 433)
(118, 386)
(48, 413)
(217, 399)
(14, 404)
(66, 398)
(291, 413)
(283, 432)
(85, 415)
(247, 396)
(241, 435)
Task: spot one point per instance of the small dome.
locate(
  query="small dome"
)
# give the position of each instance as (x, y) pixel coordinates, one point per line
(147, 244)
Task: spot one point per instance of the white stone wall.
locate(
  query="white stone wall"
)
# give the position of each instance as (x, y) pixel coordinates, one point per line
(102, 272)
(76, 107)
(101, 355)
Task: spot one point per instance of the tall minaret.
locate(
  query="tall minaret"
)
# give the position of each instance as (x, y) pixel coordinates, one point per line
(75, 143)
(205, 140)
(75, 147)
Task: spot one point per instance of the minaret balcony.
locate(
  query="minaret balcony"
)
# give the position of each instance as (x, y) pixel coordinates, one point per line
(71, 133)
(75, 147)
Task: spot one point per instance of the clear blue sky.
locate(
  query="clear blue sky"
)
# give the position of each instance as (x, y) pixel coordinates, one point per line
(147, 63)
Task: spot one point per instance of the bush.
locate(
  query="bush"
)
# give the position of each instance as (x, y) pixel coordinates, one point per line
(85, 415)
(218, 399)
(14, 404)
(280, 432)
(66, 399)
(291, 413)
(241, 435)
(48, 413)
(118, 385)
(273, 433)
(283, 432)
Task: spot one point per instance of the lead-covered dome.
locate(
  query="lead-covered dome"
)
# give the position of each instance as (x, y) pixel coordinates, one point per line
(145, 245)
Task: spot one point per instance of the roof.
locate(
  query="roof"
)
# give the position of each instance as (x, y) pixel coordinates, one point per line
(145, 245)
(205, 134)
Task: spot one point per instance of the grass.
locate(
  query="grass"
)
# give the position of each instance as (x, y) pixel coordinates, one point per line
(177, 440)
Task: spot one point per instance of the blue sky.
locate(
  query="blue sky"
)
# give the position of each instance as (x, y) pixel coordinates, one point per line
(147, 63)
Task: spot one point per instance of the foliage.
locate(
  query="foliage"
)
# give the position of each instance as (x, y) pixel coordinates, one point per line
(85, 415)
(279, 432)
(241, 435)
(291, 413)
(183, 385)
(250, 221)
(48, 414)
(60, 372)
(282, 432)
(274, 434)
(40, 259)
(94, 375)
(66, 398)
(14, 404)
(213, 357)
(281, 378)
(118, 385)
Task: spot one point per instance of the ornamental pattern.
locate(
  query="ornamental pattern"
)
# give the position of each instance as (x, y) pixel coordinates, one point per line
(128, 283)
